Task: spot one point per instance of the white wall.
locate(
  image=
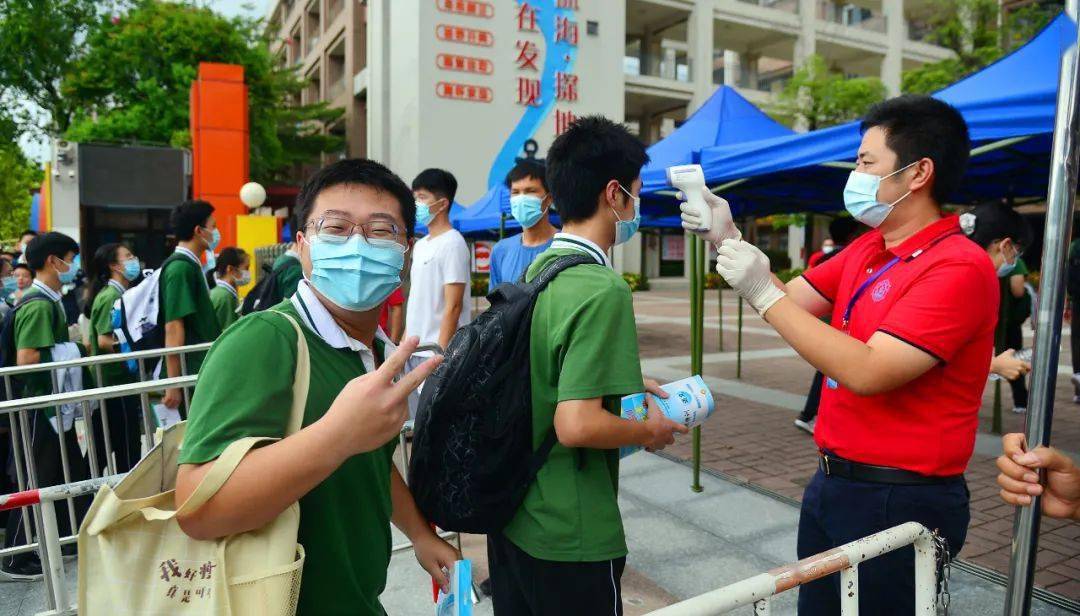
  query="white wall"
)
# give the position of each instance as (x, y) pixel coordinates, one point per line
(465, 137)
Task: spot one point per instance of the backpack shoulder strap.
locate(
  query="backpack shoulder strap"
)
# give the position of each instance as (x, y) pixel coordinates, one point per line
(556, 267)
(540, 456)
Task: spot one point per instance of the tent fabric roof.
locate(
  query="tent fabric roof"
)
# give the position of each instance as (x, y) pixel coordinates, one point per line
(486, 213)
(725, 119)
(1013, 97)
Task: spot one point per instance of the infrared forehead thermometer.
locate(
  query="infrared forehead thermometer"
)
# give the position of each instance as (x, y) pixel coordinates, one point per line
(691, 180)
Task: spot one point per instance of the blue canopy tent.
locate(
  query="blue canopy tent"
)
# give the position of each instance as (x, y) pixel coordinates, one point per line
(725, 119)
(486, 214)
(1009, 107)
(457, 211)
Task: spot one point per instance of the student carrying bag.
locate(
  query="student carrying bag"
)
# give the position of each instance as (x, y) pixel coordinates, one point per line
(134, 557)
(473, 458)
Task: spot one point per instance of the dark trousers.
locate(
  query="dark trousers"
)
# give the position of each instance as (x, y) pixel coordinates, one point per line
(1014, 339)
(45, 453)
(813, 399)
(125, 432)
(525, 586)
(836, 511)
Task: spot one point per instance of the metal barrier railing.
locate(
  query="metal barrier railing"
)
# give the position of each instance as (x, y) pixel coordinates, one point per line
(22, 426)
(844, 560)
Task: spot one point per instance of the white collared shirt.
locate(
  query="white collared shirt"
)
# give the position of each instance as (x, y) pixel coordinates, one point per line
(187, 253)
(228, 287)
(116, 285)
(581, 244)
(44, 288)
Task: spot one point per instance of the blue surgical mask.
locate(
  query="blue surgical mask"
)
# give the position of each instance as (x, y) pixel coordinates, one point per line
(10, 284)
(424, 215)
(68, 277)
(1007, 268)
(861, 201)
(625, 229)
(215, 238)
(132, 269)
(357, 274)
(527, 209)
(243, 278)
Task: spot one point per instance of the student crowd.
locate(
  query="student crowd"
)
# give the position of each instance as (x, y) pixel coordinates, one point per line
(899, 322)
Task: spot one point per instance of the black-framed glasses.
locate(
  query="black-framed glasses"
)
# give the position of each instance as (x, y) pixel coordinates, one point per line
(337, 230)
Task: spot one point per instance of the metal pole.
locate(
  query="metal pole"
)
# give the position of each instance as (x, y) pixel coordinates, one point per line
(106, 432)
(999, 346)
(502, 225)
(738, 343)
(49, 543)
(1059, 213)
(147, 412)
(697, 309)
(720, 303)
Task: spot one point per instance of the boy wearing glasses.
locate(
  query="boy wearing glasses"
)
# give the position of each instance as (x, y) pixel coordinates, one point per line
(439, 293)
(356, 228)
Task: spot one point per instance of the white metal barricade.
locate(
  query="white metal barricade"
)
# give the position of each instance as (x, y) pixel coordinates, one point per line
(18, 413)
(844, 560)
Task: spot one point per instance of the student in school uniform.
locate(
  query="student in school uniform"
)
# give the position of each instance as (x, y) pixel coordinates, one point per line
(186, 310)
(112, 270)
(231, 271)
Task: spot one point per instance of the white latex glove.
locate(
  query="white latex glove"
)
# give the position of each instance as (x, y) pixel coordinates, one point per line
(746, 269)
(723, 226)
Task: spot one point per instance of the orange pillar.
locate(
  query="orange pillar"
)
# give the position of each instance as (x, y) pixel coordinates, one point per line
(220, 142)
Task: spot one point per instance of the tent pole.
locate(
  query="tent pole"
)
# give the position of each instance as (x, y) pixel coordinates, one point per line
(720, 304)
(738, 343)
(698, 345)
(1060, 203)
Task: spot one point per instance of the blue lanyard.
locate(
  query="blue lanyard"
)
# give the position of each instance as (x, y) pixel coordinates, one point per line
(862, 289)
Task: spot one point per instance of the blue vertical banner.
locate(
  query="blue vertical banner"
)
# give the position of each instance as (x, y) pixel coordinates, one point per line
(560, 52)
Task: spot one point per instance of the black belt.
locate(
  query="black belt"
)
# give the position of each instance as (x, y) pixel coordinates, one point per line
(831, 465)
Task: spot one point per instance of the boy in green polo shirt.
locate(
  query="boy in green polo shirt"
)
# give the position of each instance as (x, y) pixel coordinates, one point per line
(40, 325)
(564, 551)
(230, 273)
(357, 225)
(186, 310)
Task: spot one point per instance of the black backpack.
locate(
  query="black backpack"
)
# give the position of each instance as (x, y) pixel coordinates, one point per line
(8, 351)
(473, 458)
(265, 293)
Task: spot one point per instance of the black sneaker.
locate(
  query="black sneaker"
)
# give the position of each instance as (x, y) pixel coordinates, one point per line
(23, 568)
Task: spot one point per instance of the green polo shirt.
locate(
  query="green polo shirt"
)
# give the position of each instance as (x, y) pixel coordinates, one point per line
(224, 303)
(39, 325)
(289, 272)
(583, 345)
(115, 373)
(185, 295)
(246, 390)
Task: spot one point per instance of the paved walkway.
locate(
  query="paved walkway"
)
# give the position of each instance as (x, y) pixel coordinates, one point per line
(752, 438)
(681, 544)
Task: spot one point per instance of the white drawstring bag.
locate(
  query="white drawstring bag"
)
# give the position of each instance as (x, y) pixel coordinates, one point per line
(135, 559)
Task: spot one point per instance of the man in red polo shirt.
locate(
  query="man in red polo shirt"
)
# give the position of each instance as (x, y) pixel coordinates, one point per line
(914, 304)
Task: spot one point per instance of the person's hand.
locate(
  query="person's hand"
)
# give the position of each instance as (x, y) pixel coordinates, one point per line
(370, 409)
(435, 555)
(1019, 478)
(173, 398)
(722, 227)
(653, 387)
(661, 429)
(746, 269)
(1008, 366)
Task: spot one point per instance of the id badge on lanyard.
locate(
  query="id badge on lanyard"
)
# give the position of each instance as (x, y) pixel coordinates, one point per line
(845, 325)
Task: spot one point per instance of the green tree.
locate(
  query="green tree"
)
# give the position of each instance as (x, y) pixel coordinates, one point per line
(39, 41)
(822, 97)
(133, 83)
(18, 176)
(970, 29)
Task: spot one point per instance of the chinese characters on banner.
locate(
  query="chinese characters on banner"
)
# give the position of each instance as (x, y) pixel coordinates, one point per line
(566, 84)
(477, 37)
(528, 60)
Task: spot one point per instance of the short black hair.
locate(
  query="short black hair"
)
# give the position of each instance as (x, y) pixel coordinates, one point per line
(438, 182)
(529, 168)
(188, 215)
(993, 222)
(51, 244)
(589, 154)
(24, 266)
(360, 172)
(923, 127)
(230, 256)
(29, 232)
(842, 230)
